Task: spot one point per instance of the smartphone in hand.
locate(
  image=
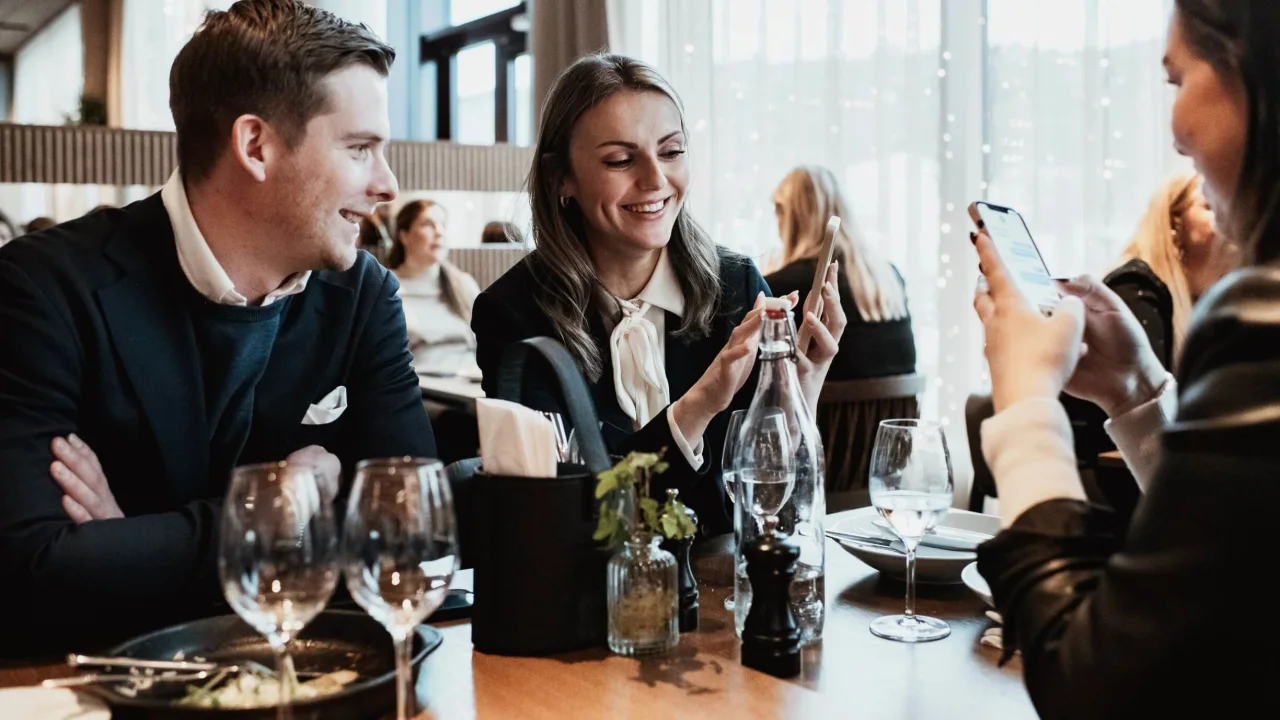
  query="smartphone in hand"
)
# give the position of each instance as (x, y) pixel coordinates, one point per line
(1018, 250)
(819, 279)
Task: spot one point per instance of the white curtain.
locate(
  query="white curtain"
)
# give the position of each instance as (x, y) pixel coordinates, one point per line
(49, 72)
(921, 106)
(48, 78)
(154, 32)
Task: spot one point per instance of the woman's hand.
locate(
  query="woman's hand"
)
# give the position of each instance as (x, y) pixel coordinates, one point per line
(824, 343)
(714, 391)
(1120, 370)
(1030, 356)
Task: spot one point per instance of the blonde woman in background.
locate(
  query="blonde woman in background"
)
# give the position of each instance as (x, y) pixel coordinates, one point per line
(878, 340)
(1173, 258)
(437, 296)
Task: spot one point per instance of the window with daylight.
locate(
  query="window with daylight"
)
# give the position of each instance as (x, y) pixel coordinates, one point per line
(920, 107)
(481, 74)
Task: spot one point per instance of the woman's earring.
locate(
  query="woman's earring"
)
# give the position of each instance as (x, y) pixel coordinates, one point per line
(564, 201)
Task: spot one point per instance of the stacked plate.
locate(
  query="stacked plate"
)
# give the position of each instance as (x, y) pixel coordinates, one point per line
(943, 553)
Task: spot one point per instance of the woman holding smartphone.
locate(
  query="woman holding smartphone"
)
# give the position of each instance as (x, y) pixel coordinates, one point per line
(663, 323)
(1156, 618)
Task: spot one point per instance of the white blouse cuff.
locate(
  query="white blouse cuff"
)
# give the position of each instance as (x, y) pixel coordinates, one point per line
(1029, 450)
(692, 453)
(1137, 433)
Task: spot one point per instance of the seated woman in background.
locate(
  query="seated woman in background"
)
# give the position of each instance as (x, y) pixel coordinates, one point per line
(437, 296)
(1174, 257)
(659, 318)
(878, 340)
(501, 233)
(40, 223)
(1120, 619)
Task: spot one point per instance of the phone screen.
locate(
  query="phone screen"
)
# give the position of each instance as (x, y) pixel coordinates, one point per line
(1017, 249)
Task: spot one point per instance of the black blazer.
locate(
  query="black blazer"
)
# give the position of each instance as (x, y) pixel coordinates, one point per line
(867, 349)
(507, 312)
(1156, 619)
(98, 341)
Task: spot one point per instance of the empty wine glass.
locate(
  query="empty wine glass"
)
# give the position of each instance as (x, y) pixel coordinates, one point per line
(400, 550)
(911, 487)
(729, 474)
(278, 557)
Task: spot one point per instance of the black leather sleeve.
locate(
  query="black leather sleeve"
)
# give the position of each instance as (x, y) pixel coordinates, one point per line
(1160, 621)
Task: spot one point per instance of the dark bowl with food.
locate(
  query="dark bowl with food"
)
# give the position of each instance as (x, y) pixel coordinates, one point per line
(335, 640)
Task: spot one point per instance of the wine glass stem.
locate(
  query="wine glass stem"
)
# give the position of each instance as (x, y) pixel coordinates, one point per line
(285, 677)
(404, 670)
(910, 612)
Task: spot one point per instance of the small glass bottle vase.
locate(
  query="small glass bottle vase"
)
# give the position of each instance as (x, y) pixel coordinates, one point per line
(643, 598)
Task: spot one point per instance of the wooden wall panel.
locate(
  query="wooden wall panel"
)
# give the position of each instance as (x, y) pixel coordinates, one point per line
(110, 156)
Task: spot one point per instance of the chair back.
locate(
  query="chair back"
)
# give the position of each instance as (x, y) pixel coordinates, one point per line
(976, 409)
(849, 414)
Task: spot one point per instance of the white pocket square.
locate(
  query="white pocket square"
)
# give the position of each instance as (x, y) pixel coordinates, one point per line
(329, 408)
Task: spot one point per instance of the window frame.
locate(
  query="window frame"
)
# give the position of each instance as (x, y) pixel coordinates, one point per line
(442, 48)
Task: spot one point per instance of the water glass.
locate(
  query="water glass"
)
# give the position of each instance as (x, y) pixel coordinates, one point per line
(766, 478)
(729, 474)
(911, 487)
(278, 556)
(399, 551)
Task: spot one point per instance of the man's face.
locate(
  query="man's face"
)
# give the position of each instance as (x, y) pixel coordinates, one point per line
(322, 188)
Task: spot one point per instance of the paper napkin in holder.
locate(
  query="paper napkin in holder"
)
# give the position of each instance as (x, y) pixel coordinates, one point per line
(515, 440)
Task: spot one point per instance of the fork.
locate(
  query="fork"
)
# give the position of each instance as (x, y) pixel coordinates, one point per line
(562, 438)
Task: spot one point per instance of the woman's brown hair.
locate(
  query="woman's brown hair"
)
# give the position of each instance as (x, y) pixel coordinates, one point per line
(449, 281)
(1238, 38)
(572, 290)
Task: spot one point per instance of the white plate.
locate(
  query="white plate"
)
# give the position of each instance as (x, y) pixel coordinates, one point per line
(975, 582)
(942, 536)
(33, 703)
(933, 565)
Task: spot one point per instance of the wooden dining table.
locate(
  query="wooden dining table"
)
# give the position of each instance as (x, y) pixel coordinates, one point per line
(850, 674)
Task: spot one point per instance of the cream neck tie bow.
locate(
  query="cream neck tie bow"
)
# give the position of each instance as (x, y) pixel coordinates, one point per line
(639, 375)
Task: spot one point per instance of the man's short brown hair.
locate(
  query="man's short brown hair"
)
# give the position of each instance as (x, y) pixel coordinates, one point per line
(265, 58)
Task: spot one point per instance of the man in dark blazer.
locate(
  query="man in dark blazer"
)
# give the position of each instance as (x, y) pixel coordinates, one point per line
(227, 320)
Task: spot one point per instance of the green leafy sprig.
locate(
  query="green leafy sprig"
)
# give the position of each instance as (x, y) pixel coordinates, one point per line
(626, 508)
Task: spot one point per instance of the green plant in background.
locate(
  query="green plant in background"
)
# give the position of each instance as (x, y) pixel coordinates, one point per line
(91, 111)
(622, 516)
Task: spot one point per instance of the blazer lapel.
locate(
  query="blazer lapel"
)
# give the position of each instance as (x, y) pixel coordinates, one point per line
(687, 360)
(150, 326)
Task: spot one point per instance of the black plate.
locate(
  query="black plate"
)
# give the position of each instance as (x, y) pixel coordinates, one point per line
(334, 640)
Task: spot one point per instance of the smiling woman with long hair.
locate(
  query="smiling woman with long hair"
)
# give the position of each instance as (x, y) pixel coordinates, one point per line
(1158, 617)
(658, 318)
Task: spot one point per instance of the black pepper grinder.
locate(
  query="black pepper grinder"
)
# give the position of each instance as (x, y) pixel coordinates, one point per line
(770, 638)
(684, 571)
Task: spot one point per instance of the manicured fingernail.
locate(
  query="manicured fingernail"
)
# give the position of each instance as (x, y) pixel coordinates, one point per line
(59, 469)
(75, 441)
(59, 444)
(973, 237)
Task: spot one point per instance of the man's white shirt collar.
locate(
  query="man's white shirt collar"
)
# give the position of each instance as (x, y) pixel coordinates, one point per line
(202, 269)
